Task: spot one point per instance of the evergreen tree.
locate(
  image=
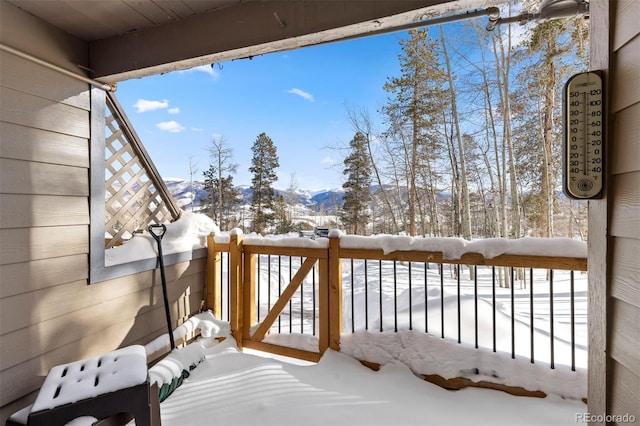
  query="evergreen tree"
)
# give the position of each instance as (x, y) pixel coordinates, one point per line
(231, 200)
(414, 110)
(221, 156)
(210, 176)
(222, 198)
(283, 221)
(263, 165)
(357, 195)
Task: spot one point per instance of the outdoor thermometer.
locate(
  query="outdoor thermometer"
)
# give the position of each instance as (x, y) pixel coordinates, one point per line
(583, 106)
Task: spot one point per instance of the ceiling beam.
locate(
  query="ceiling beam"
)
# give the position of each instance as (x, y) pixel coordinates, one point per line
(252, 28)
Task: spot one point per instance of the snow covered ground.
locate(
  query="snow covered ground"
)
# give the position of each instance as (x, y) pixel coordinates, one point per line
(233, 388)
(373, 300)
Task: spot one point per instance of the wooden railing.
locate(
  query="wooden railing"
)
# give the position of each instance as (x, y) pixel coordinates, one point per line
(242, 277)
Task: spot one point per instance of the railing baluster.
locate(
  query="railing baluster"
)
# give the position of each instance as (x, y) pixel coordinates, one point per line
(410, 302)
(353, 326)
(459, 314)
(290, 303)
(395, 297)
(573, 325)
(223, 283)
(228, 285)
(531, 311)
(493, 304)
(380, 275)
(279, 291)
(442, 300)
(366, 296)
(268, 285)
(513, 314)
(426, 298)
(301, 303)
(258, 284)
(475, 301)
(551, 333)
(313, 298)
(221, 280)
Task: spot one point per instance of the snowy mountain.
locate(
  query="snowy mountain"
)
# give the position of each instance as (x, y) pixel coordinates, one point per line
(319, 201)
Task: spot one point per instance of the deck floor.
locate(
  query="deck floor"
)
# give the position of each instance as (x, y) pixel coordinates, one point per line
(234, 388)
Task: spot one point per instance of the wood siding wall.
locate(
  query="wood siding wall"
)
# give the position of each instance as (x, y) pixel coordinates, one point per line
(624, 212)
(48, 313)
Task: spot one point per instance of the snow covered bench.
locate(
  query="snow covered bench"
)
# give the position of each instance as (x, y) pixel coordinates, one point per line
(107, 385)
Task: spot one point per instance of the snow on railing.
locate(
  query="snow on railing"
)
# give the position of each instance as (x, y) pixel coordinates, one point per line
(525, 298)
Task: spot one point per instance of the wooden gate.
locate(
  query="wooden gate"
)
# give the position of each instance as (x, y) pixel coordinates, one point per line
(242, 276)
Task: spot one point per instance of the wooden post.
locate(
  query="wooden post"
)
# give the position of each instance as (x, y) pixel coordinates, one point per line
(598, 248)
(335, 293)
(323, 305)
(214, 287)
(235, 287)
(249, 290)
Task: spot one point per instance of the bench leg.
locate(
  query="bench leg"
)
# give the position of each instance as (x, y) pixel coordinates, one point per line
(140, 401)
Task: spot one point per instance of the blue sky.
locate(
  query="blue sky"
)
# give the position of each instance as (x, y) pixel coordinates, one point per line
(298, 98)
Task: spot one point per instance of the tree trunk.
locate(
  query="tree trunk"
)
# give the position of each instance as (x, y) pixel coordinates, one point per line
(547, 187)
(504, 73)
(361, 122)
(464, 188)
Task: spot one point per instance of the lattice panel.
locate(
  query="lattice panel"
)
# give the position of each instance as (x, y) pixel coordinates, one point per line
(132, 199)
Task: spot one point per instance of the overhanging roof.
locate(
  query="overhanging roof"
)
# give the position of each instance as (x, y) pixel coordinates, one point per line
(129, 39)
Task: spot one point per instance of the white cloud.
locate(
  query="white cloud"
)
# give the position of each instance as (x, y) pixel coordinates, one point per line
(302, 94)
(170, 126)
(143, 105)
(175, 110)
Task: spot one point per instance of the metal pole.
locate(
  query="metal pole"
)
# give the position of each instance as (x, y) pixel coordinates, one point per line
(104, 86)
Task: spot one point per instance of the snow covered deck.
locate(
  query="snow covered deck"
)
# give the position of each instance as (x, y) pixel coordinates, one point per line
(234, 388)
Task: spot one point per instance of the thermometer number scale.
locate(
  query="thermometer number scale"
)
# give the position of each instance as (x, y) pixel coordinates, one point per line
(583, 136)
